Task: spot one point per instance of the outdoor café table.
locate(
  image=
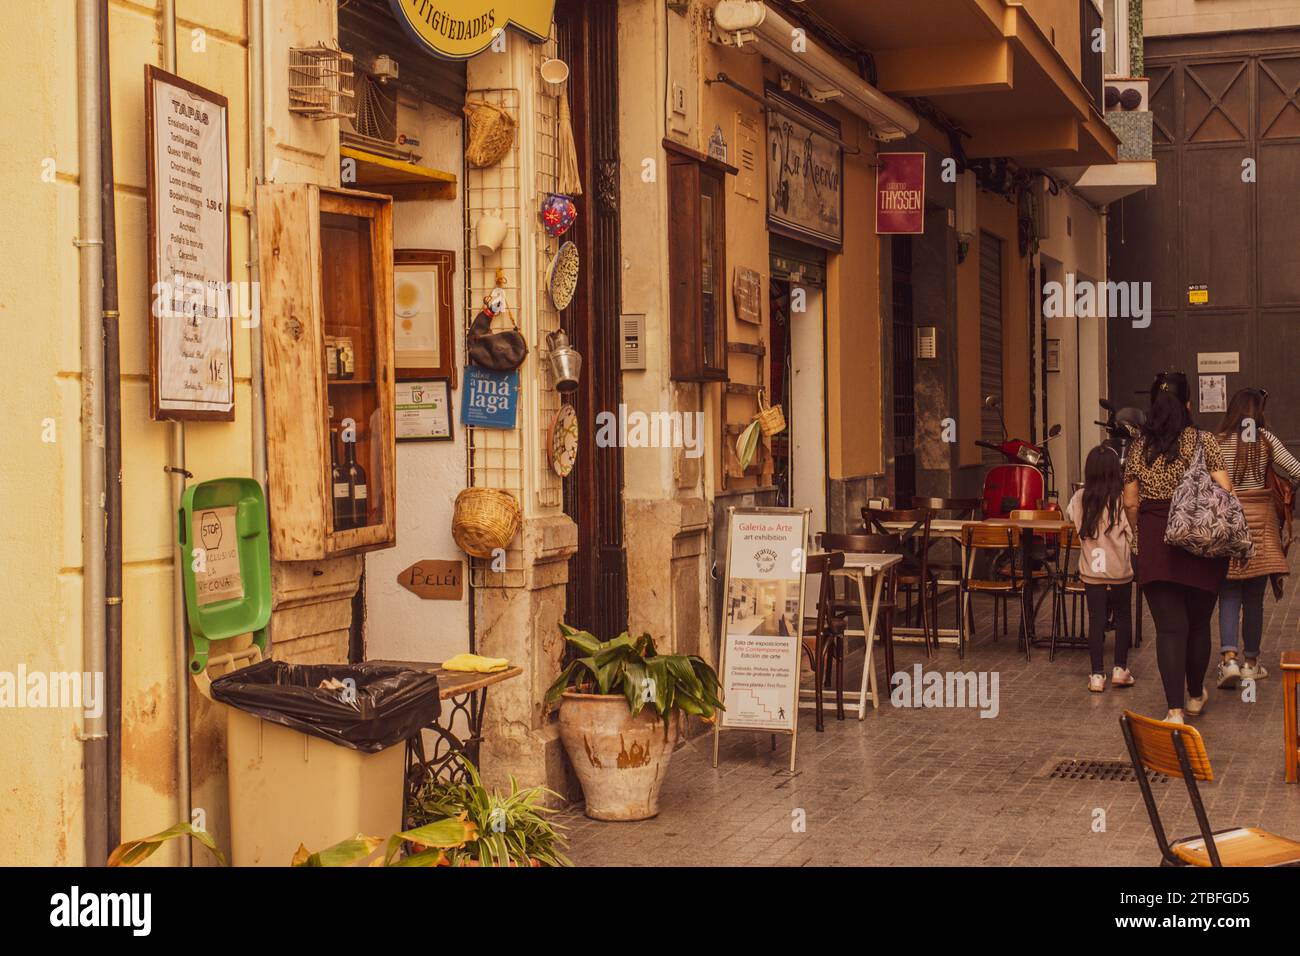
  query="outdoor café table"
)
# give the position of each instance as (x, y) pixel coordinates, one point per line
(949, 528)
(466, 691)
(1044, 526)
(860, 567)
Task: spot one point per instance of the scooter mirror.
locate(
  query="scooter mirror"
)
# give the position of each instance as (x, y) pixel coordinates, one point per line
(1054, 431)
(1105, 403)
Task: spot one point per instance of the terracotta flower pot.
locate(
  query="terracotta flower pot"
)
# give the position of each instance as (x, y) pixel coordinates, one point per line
(620, 760)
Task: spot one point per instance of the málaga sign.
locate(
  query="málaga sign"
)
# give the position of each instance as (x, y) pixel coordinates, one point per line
(458, 29)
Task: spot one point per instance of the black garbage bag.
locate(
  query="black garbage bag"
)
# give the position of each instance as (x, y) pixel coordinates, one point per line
(379, 705)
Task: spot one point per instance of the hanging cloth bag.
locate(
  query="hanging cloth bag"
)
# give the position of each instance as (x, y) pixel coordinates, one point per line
(1204, 519)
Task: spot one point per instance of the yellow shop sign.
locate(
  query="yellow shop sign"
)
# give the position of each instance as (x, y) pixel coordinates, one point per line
(458, 29)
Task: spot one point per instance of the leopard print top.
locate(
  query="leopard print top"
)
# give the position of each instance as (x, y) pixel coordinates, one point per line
(1159, 479)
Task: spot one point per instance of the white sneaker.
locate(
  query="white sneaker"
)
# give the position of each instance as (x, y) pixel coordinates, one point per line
(1253, 671)
(1229, 673)
(1097, 683)
(1121, 677)
(1174, 717)
(1196, 705)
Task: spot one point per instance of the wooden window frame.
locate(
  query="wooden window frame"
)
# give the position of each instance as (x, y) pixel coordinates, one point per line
(691, 359)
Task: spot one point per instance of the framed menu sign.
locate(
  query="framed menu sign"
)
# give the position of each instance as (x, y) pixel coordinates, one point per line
(191, 302)
(762, 615)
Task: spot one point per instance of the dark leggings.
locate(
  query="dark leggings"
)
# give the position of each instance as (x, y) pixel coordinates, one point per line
(1182, 616)
(1101, 599)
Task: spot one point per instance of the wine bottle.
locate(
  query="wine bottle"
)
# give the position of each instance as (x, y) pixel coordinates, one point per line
(356, 486)
(339, 486)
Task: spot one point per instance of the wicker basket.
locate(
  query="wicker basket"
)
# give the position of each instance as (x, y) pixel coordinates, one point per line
(771, 419)
(485, 519)
(491, 131)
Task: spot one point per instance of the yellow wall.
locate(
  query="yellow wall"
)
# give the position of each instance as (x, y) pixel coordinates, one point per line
(41, 818)
(1177, 17)
(1059, 22)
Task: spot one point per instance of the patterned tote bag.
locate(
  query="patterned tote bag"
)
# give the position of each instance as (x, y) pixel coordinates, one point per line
(1203, 518)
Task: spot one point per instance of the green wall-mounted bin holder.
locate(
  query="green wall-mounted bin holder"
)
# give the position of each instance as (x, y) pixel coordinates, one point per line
(226, 542)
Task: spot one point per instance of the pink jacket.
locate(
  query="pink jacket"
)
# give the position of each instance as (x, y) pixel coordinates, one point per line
(1105, 559)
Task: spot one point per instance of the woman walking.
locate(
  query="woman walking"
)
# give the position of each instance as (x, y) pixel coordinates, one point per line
(1180, 587)
(1105, 563)
(1249, 452)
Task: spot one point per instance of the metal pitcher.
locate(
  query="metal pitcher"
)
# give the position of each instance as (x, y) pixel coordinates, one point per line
(566, 363)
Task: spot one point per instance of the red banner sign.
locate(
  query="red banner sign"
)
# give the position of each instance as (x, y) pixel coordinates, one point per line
(900, 193)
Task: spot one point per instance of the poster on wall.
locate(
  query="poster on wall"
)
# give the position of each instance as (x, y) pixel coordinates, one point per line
(761, 620)
(900, 193)
(191, 300)
(490, 399)
(1214, 393)
(805, 175)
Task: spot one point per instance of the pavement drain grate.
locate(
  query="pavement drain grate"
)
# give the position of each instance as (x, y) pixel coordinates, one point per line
(1088, 769)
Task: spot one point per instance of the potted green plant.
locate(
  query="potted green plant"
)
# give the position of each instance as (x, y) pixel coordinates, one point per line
(621, 707)
(509, 830)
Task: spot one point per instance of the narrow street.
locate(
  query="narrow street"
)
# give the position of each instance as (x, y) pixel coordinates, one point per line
(946, 787)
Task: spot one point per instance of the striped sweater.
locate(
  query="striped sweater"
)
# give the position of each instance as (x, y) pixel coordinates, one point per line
(1283, 461)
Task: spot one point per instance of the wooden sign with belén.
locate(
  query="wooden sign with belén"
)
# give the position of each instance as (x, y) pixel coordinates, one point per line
(435, 580)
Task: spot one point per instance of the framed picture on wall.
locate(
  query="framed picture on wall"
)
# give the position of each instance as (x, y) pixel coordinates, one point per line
(424, 340)
(424, 410)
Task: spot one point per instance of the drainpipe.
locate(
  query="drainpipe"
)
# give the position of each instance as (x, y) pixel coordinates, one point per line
(258, 149)
(112, 446)
(176, 469)
(94, 733)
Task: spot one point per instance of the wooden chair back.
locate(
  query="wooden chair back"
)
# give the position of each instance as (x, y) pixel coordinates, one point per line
(1155, 744)
(1036, 514)
(832, 559)
(860, 542)
(960, 508)
(1176, 750)
(977, 535)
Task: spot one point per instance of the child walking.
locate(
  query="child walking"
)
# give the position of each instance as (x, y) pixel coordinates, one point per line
(1105, 563)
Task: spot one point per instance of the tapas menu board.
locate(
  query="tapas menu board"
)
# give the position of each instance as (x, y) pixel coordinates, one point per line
(191, 300)
(761, 620)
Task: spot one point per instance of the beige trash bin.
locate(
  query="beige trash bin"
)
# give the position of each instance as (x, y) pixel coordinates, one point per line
(289, 789)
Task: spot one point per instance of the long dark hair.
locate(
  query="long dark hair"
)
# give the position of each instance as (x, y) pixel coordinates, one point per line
(1169, 416)
(1103, 492)
(1248, 403)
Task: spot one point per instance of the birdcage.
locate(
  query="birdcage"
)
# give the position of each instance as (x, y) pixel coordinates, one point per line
(320, 83)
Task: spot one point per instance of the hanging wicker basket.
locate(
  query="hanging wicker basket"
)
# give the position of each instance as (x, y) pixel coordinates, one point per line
(771, 419)
(491, 131)
(484, 520)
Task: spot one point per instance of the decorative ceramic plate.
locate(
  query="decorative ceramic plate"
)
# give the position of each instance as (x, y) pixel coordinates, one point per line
(562, 441)
(562, 277)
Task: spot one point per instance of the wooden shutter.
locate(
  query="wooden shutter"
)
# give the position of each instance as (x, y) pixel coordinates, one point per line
(990, 338)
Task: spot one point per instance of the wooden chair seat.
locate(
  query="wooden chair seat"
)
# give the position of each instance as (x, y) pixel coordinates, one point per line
(991, 586)
(1036, 573)
(834, 623)
(1244, 846)
(1073, 587)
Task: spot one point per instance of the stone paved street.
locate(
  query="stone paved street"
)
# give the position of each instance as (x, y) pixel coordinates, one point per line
(946, 787)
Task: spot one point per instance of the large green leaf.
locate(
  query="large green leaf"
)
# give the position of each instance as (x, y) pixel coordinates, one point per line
(344, 853)
(134, 852)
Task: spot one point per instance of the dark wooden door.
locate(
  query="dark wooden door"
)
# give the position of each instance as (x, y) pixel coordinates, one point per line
(593, 492)
(1223, 105)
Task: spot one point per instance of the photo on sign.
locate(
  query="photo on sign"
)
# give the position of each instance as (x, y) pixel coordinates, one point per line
(765, 608)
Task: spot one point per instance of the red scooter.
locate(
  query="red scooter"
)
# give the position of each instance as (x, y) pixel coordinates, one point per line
(1027, 481)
